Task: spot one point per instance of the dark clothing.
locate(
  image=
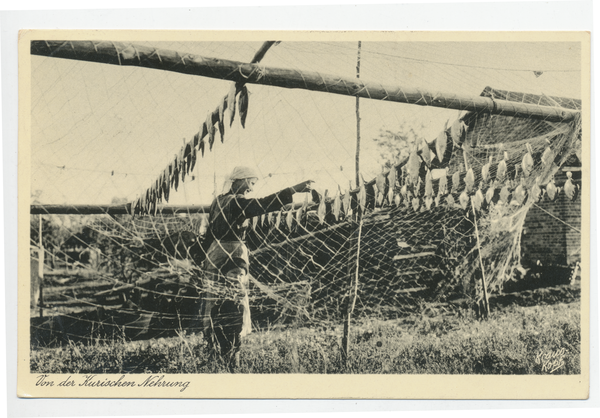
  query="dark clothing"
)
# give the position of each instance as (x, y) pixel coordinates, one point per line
(229, 211)
(227, 322)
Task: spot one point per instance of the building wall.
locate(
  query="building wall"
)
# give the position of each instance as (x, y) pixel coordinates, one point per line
(546, 238)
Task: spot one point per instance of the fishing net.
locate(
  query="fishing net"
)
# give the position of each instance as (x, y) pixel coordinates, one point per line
(439, 220)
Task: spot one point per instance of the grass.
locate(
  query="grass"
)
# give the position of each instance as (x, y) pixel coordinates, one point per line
(511, 341)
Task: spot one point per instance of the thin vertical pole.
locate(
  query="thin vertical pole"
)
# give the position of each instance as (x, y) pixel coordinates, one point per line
(486, 303)
(352, 294)
(41, 270)
(353, 290)
(357, 158)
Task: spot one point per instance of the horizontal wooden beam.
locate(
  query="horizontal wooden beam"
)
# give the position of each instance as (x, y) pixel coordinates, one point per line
(110, 209)
(127, 54)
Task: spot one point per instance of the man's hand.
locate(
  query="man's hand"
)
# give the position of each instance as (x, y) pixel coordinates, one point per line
(304, 187)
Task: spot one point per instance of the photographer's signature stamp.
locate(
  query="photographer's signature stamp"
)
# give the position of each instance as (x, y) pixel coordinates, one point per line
(550, 360)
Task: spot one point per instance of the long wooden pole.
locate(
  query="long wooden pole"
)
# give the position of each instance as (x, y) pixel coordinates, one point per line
(357, 156)
(127, 54)
(353, 285)
(110, 209)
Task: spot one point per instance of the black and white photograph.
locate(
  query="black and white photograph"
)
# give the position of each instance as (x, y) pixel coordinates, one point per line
(391, 207)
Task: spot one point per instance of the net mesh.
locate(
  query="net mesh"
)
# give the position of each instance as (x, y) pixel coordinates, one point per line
(445, 215)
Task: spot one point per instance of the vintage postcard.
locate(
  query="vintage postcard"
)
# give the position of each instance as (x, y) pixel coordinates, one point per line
(376, 215)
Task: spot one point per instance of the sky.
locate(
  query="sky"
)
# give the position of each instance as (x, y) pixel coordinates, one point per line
(101, 131)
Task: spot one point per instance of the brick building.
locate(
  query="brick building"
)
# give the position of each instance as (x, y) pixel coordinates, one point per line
(551, 234)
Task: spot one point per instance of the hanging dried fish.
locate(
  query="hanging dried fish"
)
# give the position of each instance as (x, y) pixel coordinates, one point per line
(347, 201)
(437, 200)
(428, 185)
(231, 102)
(158, 188)
(150, 192)
(417, 187)
(551, 189)
(201, 146)
(425, 153)
(535, 192)
(470, 180)
(142, 204)
(458, 131)
(516, 173)
(380, 183)
(154, 207)
(392, 183)
(362, 196)
(455, 182)
(210, 128)
(337, 203)
(485, 170)
(450, 200)
(278, 219)
(428, 202)
(221, 121)
(188, 157)
(193, 159)
(146, 207)
(243, 105)
(175, 175)
(505, 194)
(443, 184)
(548, 157)
(569, 187)
(165, 185)
(413, 167)
(288, 220)
(416, 204)
(489, 195)
(463, 199)
(262, 220)
(520, 194)
(501, 171)
(441, 143)
(404, 191)
(182, 163)
(171, 176)
(299, 214)
(397, 200)
(321, 210)
(176, 179)
(379, 200)
(135, 205)
(527, 162)
(478, 200)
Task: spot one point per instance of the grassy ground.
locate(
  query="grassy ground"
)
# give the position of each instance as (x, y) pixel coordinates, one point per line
(514, 340)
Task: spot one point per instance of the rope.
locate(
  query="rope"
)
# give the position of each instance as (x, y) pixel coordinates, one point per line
(558, 219)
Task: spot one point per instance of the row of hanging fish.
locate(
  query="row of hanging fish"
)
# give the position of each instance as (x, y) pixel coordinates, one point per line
(507, 194)
(184, 162)
(411, 180)
(328, 211)
(333, 210)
